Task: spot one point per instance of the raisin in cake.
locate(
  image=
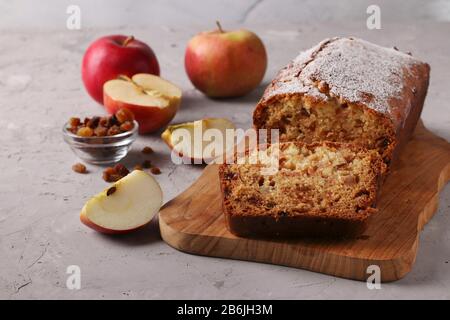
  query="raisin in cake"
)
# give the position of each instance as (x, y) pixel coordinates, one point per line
(347, 90)
(319, 189)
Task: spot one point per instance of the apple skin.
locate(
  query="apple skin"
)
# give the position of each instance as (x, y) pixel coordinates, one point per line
(108, 57)
(225, 64)
(85, 220)
(150, 119)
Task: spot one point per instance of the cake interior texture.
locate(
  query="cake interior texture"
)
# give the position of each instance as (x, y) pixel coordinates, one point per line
(331, 120)
(320, 180)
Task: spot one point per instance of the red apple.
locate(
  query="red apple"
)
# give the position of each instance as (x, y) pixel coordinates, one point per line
(225, 63)
(153, 100)
(110, 56)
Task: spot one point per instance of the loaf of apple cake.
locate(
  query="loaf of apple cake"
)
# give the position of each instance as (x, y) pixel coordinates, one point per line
(319, 189)
(347, 90)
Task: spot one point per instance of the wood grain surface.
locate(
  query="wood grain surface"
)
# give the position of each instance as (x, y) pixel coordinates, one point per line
(193, 221)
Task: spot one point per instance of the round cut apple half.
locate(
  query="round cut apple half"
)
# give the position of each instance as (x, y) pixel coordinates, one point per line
(153, 100)
(127, 205)
(201, 141)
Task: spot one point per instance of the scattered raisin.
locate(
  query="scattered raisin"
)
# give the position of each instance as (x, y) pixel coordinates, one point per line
(147, 150)
(85, 132)
(79, 168)
(123, 115)
(113, 174)
(106, 176)
(109, 170)
(155, 170)
(121, 169)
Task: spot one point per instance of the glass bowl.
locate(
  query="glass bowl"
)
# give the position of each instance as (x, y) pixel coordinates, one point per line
(101, 150)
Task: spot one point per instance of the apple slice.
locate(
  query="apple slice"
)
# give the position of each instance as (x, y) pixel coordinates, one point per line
(129, 204)
(153, 100)
(196, 142)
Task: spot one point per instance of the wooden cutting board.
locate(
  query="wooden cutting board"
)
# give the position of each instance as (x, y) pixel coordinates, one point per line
(193, 221)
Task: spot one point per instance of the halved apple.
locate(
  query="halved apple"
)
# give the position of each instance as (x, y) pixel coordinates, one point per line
(127, 205)
(153, 100)
(200, 141)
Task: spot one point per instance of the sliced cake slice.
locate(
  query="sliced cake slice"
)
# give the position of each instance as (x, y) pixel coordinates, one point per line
(319, 189)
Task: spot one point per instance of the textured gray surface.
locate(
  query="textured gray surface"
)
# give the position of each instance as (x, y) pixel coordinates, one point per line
(40, 197)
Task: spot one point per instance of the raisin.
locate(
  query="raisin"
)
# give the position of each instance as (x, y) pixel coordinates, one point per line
(85, 132)
(93, 122)
(261, 181)
(104, 122)
(124, 115)
(126, 126)
(121, 169)
(147, 150)
(100, 131)
(113, 120)
(113, 130)
(109, 170)
(155, 170)
(79, 168)
(304, 112)
(74, 122)
(110, 174)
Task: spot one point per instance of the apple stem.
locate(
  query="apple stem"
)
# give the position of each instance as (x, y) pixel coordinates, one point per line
(127, 41)
(219, 26)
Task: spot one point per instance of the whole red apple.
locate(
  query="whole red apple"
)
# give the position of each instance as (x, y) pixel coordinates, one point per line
(225, 63)
(111, 56)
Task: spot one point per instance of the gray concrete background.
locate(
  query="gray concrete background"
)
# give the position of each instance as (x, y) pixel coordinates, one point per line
(40, 197)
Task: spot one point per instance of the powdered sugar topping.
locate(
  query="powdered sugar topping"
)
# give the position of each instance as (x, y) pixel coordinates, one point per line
(350, 69)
